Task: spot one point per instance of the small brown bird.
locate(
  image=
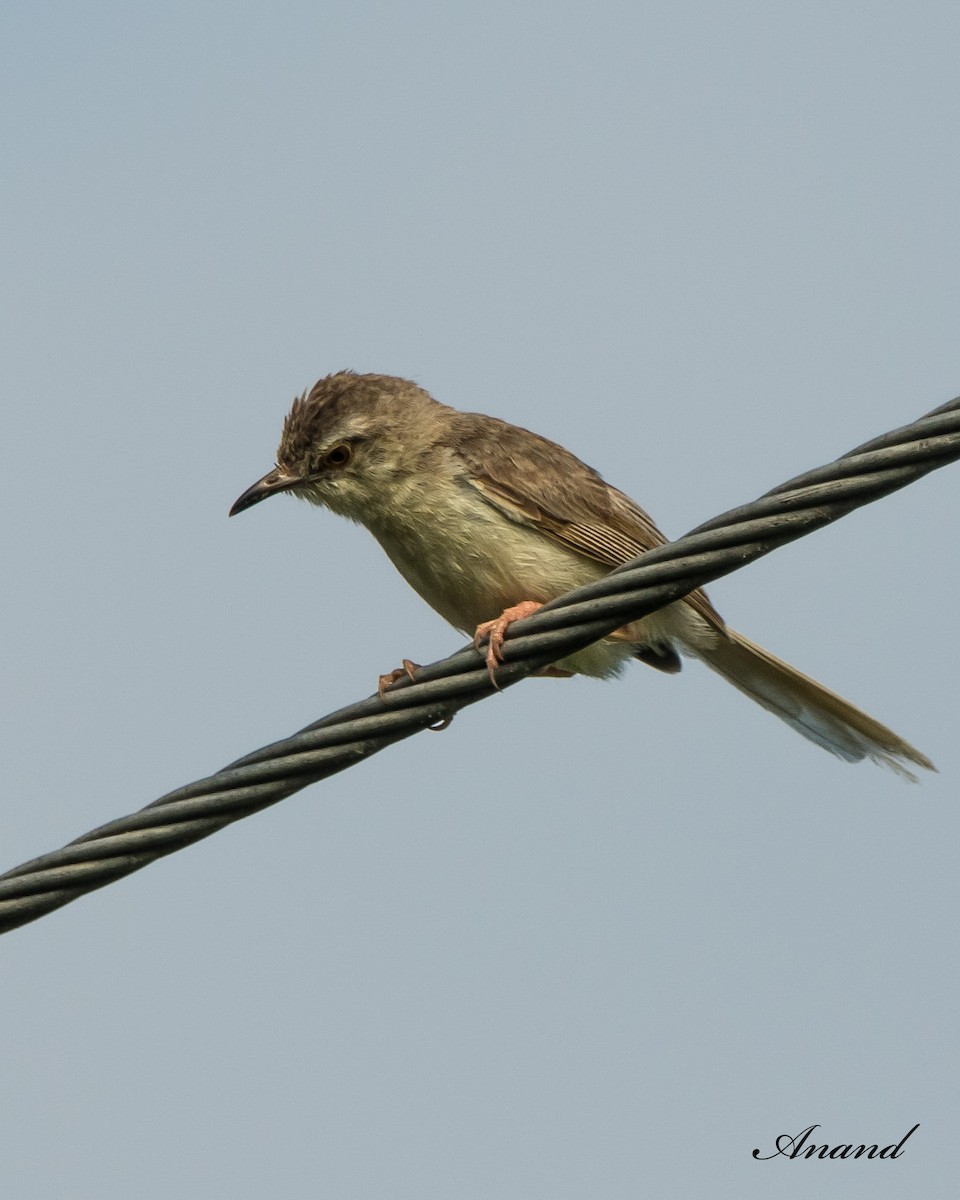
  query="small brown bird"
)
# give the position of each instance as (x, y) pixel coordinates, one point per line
(488, 521)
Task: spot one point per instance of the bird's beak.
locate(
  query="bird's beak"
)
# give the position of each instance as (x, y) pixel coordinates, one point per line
(274, 481)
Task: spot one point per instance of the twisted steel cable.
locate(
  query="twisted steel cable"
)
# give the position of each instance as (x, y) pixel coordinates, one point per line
(561, 627)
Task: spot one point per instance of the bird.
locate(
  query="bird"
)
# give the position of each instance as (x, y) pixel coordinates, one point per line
(488, 521)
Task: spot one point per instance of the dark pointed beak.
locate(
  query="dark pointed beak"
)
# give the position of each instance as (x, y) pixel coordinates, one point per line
(274, 481)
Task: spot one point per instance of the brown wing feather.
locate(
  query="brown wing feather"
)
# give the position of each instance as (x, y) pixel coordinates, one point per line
(572, 503)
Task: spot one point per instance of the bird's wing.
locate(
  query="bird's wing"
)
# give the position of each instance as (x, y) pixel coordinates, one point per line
(538, 483)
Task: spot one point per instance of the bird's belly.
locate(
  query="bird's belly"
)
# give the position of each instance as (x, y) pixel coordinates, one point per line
(471, 567)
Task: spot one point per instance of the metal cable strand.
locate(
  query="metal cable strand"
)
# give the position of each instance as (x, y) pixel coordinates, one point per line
(567, 624)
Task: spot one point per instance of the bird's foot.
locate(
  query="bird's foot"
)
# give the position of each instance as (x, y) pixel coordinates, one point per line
(388, 680)
(407, 671)
(493, 631)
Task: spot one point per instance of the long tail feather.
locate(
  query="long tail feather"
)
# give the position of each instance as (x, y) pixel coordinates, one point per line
(807, 706)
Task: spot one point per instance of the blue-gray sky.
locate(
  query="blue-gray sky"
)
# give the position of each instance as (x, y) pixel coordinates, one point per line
(596, 939)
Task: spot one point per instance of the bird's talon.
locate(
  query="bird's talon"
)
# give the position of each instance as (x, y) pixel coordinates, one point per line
(493, 633)
(408, 669)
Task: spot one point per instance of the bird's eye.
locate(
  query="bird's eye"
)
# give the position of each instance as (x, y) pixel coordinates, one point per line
(339, 456)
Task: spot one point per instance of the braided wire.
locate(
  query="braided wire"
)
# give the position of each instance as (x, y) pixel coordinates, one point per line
(441, 689)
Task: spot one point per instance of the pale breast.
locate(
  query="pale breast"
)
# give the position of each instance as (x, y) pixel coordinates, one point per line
(467, 560)
(470, 562)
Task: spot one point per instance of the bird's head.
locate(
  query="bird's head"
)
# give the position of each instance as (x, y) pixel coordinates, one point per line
(348, 443)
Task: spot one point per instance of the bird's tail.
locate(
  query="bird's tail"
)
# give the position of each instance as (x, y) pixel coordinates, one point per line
(807, 706)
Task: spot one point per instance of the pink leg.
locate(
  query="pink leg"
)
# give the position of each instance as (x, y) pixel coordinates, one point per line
(493, 632)
(408, 669)
(387, 680)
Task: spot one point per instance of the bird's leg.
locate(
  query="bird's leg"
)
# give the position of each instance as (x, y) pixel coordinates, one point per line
(391, 678)
(492, 632)
(408, 669)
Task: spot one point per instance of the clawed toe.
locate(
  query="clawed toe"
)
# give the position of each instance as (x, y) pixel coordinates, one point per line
(407, 670)
(493, 633)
